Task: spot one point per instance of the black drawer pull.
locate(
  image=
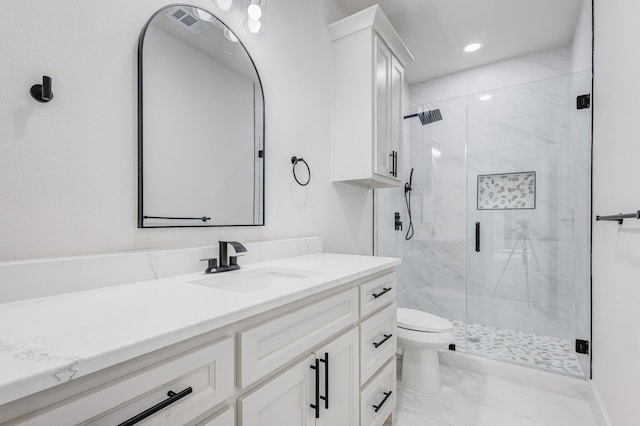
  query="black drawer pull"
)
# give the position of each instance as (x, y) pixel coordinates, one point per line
(316, 406)
(379, 406)
(384, 290)
(173, 397)
(386, 337)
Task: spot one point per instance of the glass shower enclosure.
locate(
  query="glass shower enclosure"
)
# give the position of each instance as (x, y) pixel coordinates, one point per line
(500, 211)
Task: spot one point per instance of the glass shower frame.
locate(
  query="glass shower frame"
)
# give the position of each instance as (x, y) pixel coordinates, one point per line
(529, 285)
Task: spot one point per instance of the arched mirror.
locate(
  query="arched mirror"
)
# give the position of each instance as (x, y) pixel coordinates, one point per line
(201, 124)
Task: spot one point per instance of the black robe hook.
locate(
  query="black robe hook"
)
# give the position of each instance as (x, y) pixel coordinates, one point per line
(42, 92)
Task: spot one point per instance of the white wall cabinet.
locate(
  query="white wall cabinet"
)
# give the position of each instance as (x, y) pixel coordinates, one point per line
(369, 59)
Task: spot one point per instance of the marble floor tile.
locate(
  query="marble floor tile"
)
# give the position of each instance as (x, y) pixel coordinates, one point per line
(472, 399)
(443, 408)
(491, 417)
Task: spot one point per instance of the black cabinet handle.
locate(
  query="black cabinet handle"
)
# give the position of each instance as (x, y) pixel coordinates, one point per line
(325, 398)
(316, 406)
(378, 344)
(173, 397)
(395, 163)
(379, 406)
(384, 290)
(477, 237)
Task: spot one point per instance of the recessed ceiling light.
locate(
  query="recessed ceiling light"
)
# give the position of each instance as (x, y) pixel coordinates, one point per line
(485, 97)
(472, 47)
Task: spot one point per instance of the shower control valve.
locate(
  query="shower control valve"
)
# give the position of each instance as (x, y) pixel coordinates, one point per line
(398, 223)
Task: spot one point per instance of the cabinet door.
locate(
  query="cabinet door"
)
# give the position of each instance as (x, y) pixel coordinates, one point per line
(382, 102)
(284, 401)
(396, 121)
(339, 382)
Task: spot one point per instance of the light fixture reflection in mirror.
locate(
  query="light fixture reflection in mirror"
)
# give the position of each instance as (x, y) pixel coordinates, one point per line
(229, 35)
(203, 15)
(201, 124)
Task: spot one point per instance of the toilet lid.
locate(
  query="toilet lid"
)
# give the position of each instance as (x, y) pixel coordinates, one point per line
(412, 319)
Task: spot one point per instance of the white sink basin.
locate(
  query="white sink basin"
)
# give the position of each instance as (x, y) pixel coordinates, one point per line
(256, 280)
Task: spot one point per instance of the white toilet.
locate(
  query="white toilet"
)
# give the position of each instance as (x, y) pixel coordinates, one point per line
(419, 336)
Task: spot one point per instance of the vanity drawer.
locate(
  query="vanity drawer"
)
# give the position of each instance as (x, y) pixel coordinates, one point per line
(272, 344)
(208, 371)
(379, 395)
(224, 417)
(378, 341)
(377, 293)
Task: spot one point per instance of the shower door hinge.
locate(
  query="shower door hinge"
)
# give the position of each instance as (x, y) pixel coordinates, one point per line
(261, 153)
(582, 346)
(583, 101)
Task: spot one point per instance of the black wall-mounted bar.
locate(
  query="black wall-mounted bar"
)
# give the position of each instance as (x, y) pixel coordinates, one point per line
(203, 218)
(620, 217)
(42, 92)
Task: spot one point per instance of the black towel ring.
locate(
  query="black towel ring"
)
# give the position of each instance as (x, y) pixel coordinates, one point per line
(296, 160)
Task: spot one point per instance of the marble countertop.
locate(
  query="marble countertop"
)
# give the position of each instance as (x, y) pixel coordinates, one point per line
(52, 340)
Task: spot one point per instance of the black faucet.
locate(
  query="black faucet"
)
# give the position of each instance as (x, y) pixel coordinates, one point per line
(226, 264)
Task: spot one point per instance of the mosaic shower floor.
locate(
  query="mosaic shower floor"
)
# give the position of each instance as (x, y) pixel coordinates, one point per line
(549, 353)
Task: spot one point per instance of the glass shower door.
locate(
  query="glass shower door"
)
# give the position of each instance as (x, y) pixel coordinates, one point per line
(527, 213)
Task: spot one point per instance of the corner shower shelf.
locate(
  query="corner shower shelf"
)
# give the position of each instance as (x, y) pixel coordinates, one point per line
(620, 217)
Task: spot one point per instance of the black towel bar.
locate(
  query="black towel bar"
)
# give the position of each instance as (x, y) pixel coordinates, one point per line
(620, 217)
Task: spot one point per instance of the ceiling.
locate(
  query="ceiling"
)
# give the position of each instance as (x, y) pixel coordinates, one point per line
(436, 31)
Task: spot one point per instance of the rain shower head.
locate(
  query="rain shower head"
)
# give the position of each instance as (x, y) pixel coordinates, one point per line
(427, 117)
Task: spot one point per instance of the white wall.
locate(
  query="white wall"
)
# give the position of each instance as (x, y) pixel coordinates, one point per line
(616, 249)
(68, 168)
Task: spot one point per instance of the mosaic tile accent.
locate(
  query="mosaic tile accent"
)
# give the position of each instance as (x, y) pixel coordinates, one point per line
(507, 191)
(546, 352)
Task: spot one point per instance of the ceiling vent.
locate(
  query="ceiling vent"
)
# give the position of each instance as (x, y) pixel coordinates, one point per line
(188, 19)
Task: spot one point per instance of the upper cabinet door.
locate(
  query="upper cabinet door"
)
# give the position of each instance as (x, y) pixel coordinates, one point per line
(382, 127)
(396, 122)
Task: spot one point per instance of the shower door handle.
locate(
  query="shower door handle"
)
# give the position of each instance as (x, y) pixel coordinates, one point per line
(477, 237)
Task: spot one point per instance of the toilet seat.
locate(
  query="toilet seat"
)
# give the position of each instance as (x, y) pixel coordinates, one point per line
(411, 319)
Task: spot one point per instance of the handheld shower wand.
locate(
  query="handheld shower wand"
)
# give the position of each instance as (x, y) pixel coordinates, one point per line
(407, 199)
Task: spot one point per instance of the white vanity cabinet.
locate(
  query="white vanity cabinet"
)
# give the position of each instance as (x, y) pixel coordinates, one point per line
(324, 359)
(187, 386)
(368, 79)
(322, 389)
